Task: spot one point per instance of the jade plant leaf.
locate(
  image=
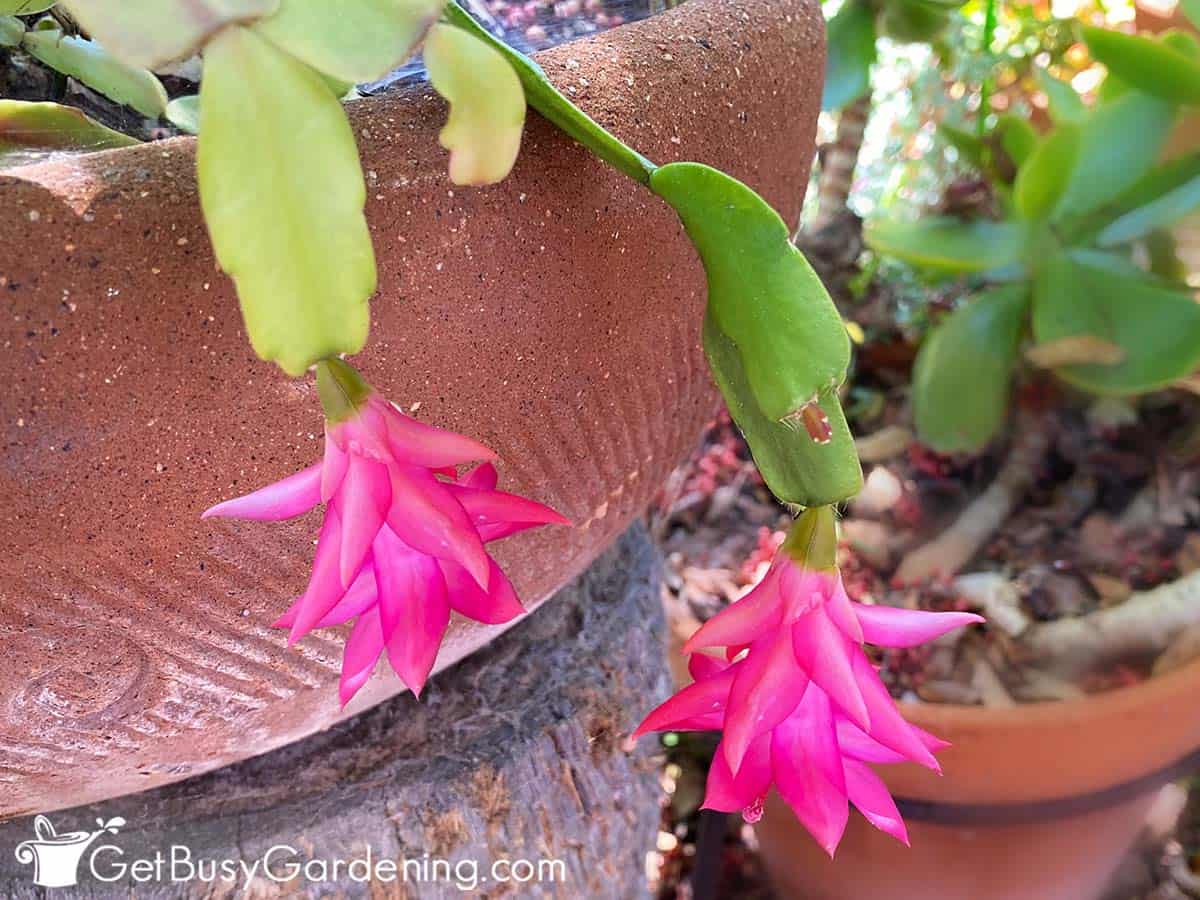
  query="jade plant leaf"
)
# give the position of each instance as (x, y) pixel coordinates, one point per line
(1018, 138)
(950, 245)
(184, 113)
(487, 105)
(1043, 177)
(24, 7)
(561, 112)
(12, 30)
(98, 69)
(28, 127)
(1064, 103)
(850, 37)
(964, 369)
(1156, 325)
(283, 196)
(355, 42)
(762, 293)
(1160, 199)
(149, 33)
(1118, 144)
(1149, 65)
(795, 468)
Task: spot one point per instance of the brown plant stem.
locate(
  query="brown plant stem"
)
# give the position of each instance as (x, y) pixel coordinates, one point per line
(837, 170)
(953, 548)
(1142, 626)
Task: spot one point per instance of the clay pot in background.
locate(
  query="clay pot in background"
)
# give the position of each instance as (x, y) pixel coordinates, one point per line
(556, 317)
(1037, 801)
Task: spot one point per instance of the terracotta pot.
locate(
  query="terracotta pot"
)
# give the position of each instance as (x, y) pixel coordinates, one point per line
(556, 317)
(1036, 801)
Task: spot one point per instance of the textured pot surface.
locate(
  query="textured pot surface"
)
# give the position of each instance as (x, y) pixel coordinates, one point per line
(555, 317)
(1036, 801)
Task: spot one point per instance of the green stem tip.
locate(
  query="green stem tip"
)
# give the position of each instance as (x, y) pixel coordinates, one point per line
(341, 389)
(812, 541)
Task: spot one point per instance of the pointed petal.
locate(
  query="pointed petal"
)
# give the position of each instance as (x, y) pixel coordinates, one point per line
(727, 792)
(482, 478)
(325, 587)
(766, 688)
(284, 499)
(841, 613)
(701, 666)
(743, 621)
(426, 516)
(819, 805)
(417, 444)
(363, 648)
(401, 574)
(888, 727)
(823, 650)
(333, 469)
(700, 698)
(812, 727)
(871, 797)
(496, 605)
(360, 597)
(413, 647)
(364, 498)
(498, 514)
(890, 626)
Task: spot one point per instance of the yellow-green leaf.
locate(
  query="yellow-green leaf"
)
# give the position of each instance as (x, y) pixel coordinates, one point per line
(355, 42)
(184, 113)
(949, 245)
(1044, 176)
(26, 127)
(24, 7)
(1149, 65)
(98, 69)
(12, 30)
(487, 105)
(283, 195)
(149, 33)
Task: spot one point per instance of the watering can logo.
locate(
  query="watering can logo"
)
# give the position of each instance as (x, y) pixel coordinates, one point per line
(55, 856)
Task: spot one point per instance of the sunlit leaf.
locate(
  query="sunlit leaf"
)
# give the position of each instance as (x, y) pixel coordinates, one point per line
(1043, 177)
(962, 376)
(24, 7)
(184, 113)
(1017, 138)
(550, 102)
(99, 70)
(355, 42)
(1157, 326)
(795, 468)
(27, 127)
(283, 197)
(11, 31)
(850, 41)
(487, 105)
(950, 245)
(1149, 65)
(1163, 197)
(1118, 144)
(149, 33)
(1064, 103)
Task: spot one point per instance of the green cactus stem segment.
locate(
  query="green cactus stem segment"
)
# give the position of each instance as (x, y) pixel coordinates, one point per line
(341, 389)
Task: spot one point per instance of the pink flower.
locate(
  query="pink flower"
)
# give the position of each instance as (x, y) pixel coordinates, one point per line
(801, 706)
(403, 539)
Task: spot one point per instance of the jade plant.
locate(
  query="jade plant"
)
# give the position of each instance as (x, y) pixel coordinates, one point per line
(406, 519)
(1077, 267)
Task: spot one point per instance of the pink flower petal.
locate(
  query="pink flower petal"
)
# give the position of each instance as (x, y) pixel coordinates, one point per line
(413, 647)
(841, 612)
(888, 727)
(284, 499)
(358, 599)
(727, 792)
(333, 469)
(820, 806)
(822, 650)
(766, 688)
(812, 725)
(871, 797)
(403, 576)
(415, 443)
(496, 605)
(325, 587)
(890, 626)
(701, 698)
(498, 514)
(427, 517)
(482, 478)
(701, 666)
(364, 498)
(744, 620)
(363, 648)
